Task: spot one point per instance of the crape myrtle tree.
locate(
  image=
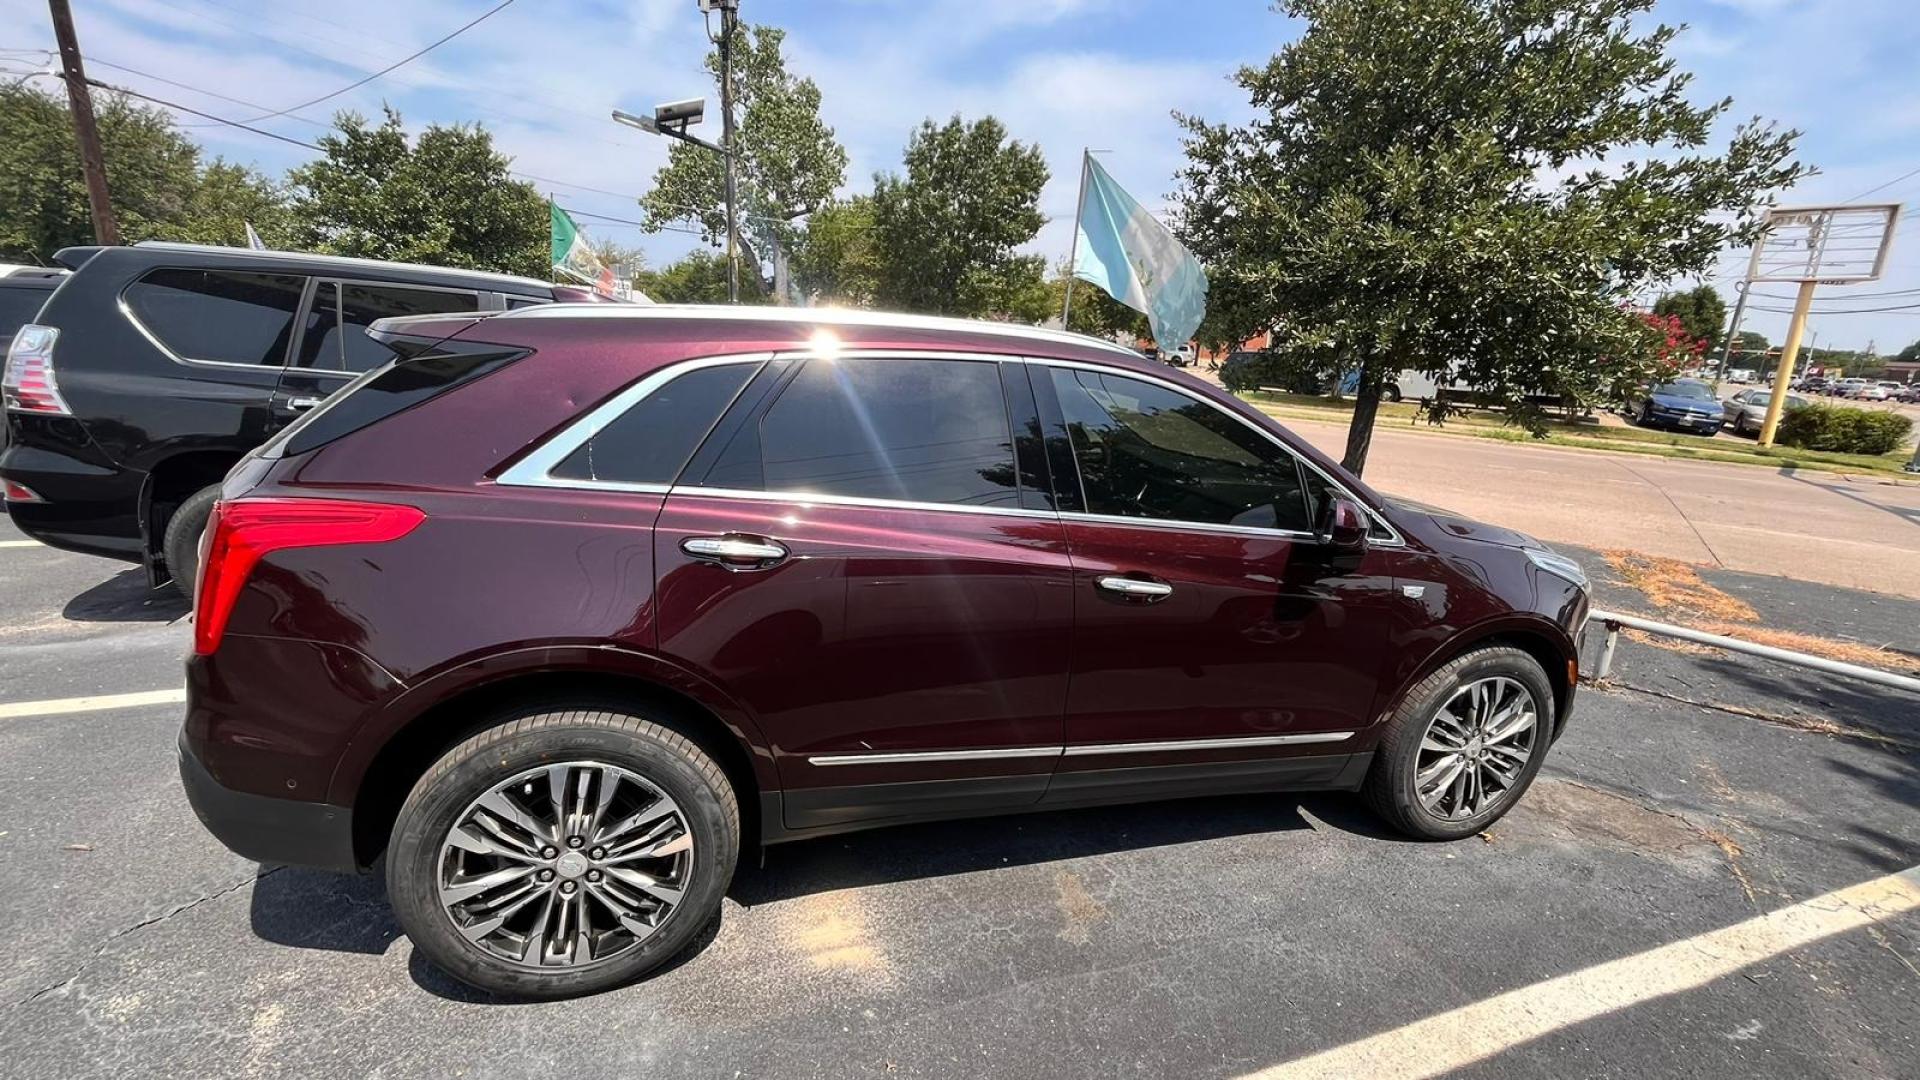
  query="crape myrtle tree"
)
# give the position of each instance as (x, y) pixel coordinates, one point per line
(787, 162)
(1700, 310)
(1472, 189)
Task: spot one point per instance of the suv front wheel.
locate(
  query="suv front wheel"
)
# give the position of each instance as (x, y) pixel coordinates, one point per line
(1464, 745)
(563, 853)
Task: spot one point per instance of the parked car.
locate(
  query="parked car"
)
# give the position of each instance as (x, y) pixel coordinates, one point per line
(1816, 384)
(563, 606)
(23, 291)
(1682, 405)
(155, 367)
(1180, 357)
(1910, 393)
(1746, 411)
(1846, 388)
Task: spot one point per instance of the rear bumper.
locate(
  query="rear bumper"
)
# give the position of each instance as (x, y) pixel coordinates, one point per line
(90, 508)
(266, 829)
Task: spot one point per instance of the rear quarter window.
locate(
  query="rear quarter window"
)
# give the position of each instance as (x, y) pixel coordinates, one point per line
(222, 316)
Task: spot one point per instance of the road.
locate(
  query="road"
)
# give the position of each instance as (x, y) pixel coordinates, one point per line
(1860, 533)
(1687, 891)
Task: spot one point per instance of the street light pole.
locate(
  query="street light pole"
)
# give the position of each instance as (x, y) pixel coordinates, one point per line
(729, 18)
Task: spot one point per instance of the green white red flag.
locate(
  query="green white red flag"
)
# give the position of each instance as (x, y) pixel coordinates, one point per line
(572, 256)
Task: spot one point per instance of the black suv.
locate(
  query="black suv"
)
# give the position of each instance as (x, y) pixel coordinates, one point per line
(153, 368)
(22, 291)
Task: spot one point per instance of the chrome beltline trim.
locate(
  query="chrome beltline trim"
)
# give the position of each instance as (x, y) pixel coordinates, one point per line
(934, 755)
(1229, 743)
(1090, 749)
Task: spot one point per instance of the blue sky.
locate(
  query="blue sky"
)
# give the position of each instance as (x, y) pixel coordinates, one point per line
(1061, 73)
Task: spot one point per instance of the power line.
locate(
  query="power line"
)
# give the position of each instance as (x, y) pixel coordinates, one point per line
(1883, 187)
(409, 58)
(209, 116)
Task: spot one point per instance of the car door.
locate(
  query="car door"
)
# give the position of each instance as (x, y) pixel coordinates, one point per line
(1215, 642)
(334, 347)
(859, 558)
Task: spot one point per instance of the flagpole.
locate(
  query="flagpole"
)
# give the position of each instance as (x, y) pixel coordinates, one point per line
(1073, 241)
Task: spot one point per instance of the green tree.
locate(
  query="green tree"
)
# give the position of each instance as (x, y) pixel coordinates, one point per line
(159, 190)
(1700, 311)
(945, 233)
(699, 277)
(1420, 187)
(1909, 354)
(445, 198)
(835, 261)
(787, 161)
(1093, 312)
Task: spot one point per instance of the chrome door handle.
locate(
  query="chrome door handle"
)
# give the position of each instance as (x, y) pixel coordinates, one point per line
(735, 552)
(302, 404)
(1126, 586)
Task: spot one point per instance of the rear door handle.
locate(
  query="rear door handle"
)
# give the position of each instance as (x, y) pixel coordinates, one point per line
(1134, 587)
(302, 404)
(735, 552)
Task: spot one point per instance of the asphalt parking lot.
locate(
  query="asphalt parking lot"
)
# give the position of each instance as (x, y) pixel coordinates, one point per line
(1617, 923)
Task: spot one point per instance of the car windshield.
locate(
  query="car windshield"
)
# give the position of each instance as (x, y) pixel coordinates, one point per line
(1685, 390)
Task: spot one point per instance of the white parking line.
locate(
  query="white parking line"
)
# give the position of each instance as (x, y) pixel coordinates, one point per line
(11, 710)
(20, 543)
(1453, 1040)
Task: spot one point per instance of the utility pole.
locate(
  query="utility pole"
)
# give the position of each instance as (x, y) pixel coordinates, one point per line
(729, 19)
(80, 101)
(1733, 331)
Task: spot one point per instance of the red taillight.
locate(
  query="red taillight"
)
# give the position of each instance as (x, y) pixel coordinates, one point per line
(240, 532)
(15, 491)
(28, 384)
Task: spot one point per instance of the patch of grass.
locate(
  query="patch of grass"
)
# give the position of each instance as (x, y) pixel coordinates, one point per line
(1589, 435)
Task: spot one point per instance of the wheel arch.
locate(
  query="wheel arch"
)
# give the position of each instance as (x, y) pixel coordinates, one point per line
(390, 753)
(1535, 635)
(171, 481)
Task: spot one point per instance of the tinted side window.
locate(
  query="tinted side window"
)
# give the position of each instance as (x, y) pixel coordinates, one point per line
(336, 337)
(18, 307)
(220, 315)
(1148, 452)
(651, 442)
(914, 430)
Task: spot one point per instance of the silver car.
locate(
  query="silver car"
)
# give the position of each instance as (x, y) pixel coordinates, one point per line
(1747, 410)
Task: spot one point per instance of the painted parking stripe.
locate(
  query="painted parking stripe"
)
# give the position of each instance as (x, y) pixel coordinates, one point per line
(11, 710)
(1453, 1040)
(20, 543)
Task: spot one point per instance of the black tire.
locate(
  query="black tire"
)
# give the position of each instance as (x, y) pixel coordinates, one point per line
(180, 543)
(660, 755)
(1389, 787)
(1391, 393)
(1646, 415)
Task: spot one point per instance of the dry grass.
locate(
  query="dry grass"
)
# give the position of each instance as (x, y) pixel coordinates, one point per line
(1677, 588)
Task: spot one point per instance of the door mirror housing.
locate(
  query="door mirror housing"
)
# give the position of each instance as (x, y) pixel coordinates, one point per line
(1345, 533)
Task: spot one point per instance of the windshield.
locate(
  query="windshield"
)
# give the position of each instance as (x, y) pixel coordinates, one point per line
(1685, 390)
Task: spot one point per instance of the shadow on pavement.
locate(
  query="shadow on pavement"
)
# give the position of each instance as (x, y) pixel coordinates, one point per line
(126, 597)
(312, 909)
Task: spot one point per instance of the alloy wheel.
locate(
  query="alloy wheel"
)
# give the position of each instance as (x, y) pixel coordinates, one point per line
(565, 865)
(1476, 747)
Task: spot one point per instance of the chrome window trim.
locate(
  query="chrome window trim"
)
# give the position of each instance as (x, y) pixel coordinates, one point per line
(1394, 538)
(1079, 750)
(809, 498)
(535, 469)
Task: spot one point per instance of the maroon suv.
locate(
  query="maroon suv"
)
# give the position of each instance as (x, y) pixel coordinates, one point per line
(563, 605)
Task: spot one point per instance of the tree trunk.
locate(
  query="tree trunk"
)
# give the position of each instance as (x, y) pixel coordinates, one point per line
(1366, 403)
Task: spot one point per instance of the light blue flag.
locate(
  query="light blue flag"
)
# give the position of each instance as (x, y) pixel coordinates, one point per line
(1126, 251)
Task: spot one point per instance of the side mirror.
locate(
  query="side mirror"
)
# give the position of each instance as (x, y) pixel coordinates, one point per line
(1346, 533)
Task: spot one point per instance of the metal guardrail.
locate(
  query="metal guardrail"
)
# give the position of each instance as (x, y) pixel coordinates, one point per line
(1615, 622)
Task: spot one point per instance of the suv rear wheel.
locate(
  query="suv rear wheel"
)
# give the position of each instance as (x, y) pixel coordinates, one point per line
(180, 543)
(1464, 745)
(563, 853)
